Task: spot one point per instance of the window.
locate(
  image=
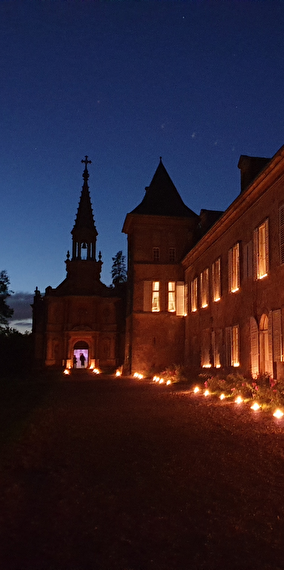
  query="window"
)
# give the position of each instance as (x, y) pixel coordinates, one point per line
(234, 268)
(155, 296)
(281, 233)
(216, 280)
(177, 298)
(171, 297)
(193, 295)
(180, 299)
(151, 299)
(204, 287)
(232, 346)
(260, 239)
(156, 254)
(172, 254)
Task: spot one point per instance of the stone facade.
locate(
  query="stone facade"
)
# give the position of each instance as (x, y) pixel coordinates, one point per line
(203, 290)
(240, 325)
(81, 322)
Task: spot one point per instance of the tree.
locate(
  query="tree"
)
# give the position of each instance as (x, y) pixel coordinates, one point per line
(5, 311)
(118, 270)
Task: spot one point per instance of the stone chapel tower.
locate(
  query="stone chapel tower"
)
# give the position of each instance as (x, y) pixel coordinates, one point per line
(81, 315)
(160, 231)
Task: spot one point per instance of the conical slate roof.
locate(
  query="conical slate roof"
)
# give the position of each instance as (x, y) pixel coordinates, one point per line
(162, 198)
(84, 218)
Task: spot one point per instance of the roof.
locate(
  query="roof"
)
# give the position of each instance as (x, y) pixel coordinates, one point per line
(162, 198)
(84, 218)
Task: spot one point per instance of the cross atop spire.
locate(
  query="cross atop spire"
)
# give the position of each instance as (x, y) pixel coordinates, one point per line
(86, 162)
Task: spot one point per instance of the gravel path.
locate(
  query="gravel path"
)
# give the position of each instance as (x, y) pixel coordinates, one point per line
(117, 474)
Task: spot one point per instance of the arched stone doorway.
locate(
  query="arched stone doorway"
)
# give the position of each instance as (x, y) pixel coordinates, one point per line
(81, 354)
(264, 359)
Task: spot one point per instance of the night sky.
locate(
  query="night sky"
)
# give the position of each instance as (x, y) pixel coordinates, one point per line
(125, 82)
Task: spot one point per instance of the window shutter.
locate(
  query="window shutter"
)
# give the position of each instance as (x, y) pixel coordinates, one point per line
(277, 335)
(237, 266)
(228, 345)
(230, 260)
(255, 253)
(147, 298)
(281, 233)
(266, 247)
(254, 356)
(249, 259)
(180, 299)
(270, 344)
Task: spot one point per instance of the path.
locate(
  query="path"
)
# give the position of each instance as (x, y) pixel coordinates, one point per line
(113, 474)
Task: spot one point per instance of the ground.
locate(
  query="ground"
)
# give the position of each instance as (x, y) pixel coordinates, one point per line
(117, 474)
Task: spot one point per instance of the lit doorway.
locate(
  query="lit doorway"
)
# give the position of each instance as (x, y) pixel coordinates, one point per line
(81, 355)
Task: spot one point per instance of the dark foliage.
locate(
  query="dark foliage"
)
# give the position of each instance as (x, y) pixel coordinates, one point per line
(5, 311)
(15, 351)
(118, 270)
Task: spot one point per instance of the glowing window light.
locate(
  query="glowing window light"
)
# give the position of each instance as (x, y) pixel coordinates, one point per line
(236, 364)
(255, 406)
(278, 414)
(239, 400)
(222, 396)
(66, 371)
(96, 371)
(196, 389)
(218, 365)
(206, 393)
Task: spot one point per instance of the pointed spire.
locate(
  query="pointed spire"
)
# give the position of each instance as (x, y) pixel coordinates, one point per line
(84, 217)
(162, 197)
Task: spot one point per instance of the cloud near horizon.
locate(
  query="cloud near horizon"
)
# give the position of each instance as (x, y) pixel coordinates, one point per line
(21, 302)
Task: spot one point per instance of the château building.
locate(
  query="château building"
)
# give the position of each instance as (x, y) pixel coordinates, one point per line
(203, 290)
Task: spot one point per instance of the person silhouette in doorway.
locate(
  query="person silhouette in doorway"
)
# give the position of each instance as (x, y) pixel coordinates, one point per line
(82, 360)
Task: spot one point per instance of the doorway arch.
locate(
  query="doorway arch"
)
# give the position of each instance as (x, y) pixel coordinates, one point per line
(81, 354)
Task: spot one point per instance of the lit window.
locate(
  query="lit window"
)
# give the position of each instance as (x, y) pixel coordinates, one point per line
(156, 254)
(261, 250)
(204, 287)
(155, 296)
(151, 298)
(171, 296)
(232, 346)
(172, 254)
(216, 279)
(180, 299)
(234, 268)
(193, 295)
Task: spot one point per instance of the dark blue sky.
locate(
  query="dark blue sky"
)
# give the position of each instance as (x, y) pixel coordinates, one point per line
(197, 82)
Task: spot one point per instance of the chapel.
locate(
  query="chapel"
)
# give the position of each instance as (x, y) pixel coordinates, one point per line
(80, 323)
